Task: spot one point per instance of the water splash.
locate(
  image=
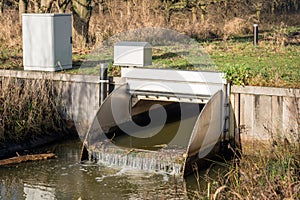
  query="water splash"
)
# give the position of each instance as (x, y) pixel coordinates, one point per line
(166, 160)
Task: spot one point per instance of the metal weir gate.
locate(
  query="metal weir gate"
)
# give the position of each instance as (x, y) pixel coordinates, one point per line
(161, 119)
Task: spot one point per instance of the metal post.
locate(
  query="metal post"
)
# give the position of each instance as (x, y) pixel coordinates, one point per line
(255, 34)
(103, 82)
(111, 85)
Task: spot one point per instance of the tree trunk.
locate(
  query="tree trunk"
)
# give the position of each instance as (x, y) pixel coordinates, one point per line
(81, 16)
(1, 7)
(273, 8)
(46, 5)
(258, 7)
(194, 14)
(295, 4)
(23, 6)
(129, 8)
(167, 11)
(36, 6)
(203, 13)
(101, 8)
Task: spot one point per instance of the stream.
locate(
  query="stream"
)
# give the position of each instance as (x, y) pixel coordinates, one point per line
(66, 178)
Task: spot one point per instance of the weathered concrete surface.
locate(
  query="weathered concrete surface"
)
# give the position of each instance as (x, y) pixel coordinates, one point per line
(265, 113)
(79, 94)
(260, 113)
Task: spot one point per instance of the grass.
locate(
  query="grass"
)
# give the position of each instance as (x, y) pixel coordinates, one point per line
(10, 58)
(37, 114)
(263, 65)
(267, 64)
(274, 62)
(274, 174)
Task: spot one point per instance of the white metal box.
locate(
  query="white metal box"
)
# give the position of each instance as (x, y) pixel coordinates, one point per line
(47, 41)
(137, 54)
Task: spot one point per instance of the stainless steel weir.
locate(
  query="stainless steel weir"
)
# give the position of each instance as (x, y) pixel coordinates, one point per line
(160, 120)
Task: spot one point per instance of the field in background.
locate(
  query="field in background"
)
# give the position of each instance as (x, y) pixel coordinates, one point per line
(274, 62)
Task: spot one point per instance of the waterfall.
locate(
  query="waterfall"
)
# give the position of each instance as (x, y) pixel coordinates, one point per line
(166, 161)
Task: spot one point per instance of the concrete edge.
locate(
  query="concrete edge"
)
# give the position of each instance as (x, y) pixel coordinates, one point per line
(268, 91)
(49, 75)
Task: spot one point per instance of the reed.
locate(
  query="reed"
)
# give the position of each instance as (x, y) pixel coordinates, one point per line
(272, 172)
(28, 109)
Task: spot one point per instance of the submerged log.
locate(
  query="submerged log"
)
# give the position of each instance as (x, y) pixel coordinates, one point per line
(20, 159)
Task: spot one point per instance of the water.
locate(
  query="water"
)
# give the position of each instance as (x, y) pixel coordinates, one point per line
(65, 178)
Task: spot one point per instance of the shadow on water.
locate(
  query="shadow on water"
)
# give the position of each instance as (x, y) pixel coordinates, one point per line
(65, 178)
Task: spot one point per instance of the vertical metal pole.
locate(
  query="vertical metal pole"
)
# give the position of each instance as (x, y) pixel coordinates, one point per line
(255, 34)
(103, 82)
(111, 85)
(228, 92)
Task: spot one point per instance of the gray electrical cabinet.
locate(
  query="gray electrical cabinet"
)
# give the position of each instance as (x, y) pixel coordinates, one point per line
(137, 54)
(47, 41)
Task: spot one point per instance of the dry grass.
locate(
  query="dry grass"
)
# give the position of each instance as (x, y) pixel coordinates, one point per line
(10, 29)
(271, 175)
(272, 63)
(10, 40)
(28, 108)
(235, 27)
(122, 16)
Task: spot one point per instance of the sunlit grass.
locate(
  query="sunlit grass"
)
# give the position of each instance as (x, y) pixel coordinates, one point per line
(265, 65)
(274, 62)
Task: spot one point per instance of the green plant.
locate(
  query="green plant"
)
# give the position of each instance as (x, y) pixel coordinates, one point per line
(237, 74)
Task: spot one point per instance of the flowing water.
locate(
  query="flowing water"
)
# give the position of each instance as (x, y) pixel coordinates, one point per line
(65, 178)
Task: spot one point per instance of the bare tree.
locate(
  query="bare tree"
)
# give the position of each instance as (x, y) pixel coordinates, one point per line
(23, 7)
(200, 7)
(81, 16)
(258, 5)
(170, 6)
(46, 5)
(62, 5)
(1, 7)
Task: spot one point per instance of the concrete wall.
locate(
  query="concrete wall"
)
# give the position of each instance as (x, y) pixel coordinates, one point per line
(79, 94)
(263, 113)
(260, 113)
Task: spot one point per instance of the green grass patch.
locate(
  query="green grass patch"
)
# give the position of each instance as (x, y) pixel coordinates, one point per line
(264, 65)
(274, 62)
(10, 58)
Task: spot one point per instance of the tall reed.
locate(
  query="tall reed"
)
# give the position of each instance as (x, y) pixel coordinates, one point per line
(28, 109)
(270, 172)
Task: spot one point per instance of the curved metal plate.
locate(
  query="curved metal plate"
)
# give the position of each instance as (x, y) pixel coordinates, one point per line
(208, 127)
(106, 117)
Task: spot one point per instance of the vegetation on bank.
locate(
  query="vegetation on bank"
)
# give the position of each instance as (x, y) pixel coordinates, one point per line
(263, 65)
(28, 109)
(268, 172)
